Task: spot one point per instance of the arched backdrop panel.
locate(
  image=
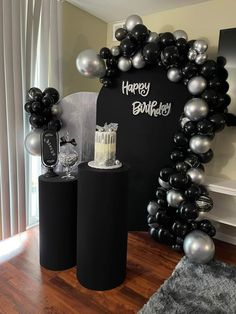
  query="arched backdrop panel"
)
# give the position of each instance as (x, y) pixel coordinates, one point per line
(144, 138)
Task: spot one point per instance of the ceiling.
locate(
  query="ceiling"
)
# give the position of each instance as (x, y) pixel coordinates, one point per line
(116, 10)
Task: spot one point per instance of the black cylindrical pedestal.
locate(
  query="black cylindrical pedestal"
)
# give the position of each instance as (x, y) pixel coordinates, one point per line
(102, 227)
(57, 222)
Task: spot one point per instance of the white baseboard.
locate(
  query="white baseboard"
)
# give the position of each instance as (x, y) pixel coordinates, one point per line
(225, 237)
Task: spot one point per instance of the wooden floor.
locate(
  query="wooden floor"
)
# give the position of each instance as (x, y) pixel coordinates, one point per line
(25, 287)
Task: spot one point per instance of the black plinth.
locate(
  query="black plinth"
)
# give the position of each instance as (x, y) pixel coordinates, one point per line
(102, 227)
(57, 222)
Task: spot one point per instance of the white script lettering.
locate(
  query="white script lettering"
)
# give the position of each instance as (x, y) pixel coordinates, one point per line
(152, 108)
(140, 88)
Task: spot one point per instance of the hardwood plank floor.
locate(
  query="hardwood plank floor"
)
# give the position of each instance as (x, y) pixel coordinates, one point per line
(27, 288)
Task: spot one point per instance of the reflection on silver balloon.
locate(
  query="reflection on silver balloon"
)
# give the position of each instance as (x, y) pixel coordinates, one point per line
(174, 74)
(180, 34)
(201, 58)
(192, 54)
(115, 51)
(153, 37)
(200, 144)
(199, 247)
(131, 21)
(164, 184)
(200, 46)
(174, 198)
(56, 110)
(196, 175)
(90, 64)
(138, 61)
(33, 142)
(196, 109)
(124, 64)
(152, 208)
(197, 85)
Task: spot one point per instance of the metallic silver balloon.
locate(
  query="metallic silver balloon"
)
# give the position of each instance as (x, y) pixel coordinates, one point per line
(115, 51)
(56, 110)
(200, 46)
(200, 144)
(196, 175)
(199, 247)
(33, 142)
(152, 208)
(153, 37)
(164, 184)
(124, 64)
(192, 54)
(201, 58)
(90, 64)
(174, 74)
(197, 85)
(138, 61)
(196, 109)
(180, 34)
(174, 198)
(131, 21)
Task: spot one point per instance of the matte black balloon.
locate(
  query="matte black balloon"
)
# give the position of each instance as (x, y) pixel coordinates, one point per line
(205, 126)
(111, 63)
(182, 167)
(48, 101)
(180, 139)
(222, 73)
(120, 34)
(106, 81)
(140, 32)
(167, 39)
(211, 97)
(179, 181)
(36, 121)
(182, 45)
(188, 211)
(208, 69)
(204, 190)
(221, 61)
(151, 52)
(34, 93)
(177, 155)
(55, 125)
(128, 47)
(161, 193)
(193, 192)
(206, 157)
(165, 173)
(105, 53)
(162, 218)
(28, 107)
(190, 128)
(171, 56)
(52, 92)
(37, 107)
(179, 229)
(190, 70)
(111, 72)
(218, 121)
(192, 160)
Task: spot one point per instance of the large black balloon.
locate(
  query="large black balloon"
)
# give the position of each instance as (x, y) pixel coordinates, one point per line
(218, 121)
(36, 121)
(55, 125)
(167, 39)
(205, 126)
(187, 211)
(140, 32)
(177, 155)
(190, 70)
(190, 128)
(221, 61)
(105, 53)
(179, 181)
(211, 97)
(35, 94)
(151, 53)
(120, 34)
(170, 56)
(208, 69)
(193, 192)
(50, 91)
(182, 167)
(206, 157)
(180, 139)
(37, 107)
(28, 107)
(165, 173)
(128, 47)
(222, 73)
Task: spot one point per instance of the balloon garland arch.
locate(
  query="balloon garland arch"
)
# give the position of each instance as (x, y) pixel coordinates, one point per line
(181, 198)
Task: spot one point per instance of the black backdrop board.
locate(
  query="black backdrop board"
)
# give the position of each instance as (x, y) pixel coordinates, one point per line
(145, 139)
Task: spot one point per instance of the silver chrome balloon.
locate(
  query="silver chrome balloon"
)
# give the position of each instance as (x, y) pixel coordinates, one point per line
(115, 51)
(164, 184)
(174, 74)
(152, 37)
(124, 64)
(201, 58)
(200, 46)
(197, 85)
(152, 208)
(174, 198)
(199, 247)
(138, 61)
(196, 175)
(192, 54)
(131, 21)
(180, 34)
(33, 142)
(90, 64)
(56, 110)
(196, 109)
(200, 144)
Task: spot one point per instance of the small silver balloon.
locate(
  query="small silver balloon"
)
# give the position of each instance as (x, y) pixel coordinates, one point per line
(56, 110)
(33, 142)
(153, 37)
(197, 85)
(90, 64)
(200, 46)
(192, 54)
(199, 247)
(180, 34)
(138, 61)
(124, 64)
(164, 184)
(201, 58)
(174, 74)
(115, 51)
(174, 198)
(196, 175)
(152, 208)
(200, 144)
(196, 109)
(131, 21)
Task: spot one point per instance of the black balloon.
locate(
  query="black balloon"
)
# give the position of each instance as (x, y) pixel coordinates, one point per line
(152, 222)
(106, 81)
(212, 231)
(190, 128)
(167, 39)
(161, 202)
(48, 100)
(211, 97)
(111, 63)
(47, 115)
(222, 73)
(151, 53)
(177, 247)
(165, 236)
(192, 225)
(193, 192)
(182, 45)
(36, 121)
(205, 126)
(204, 203)
(205, 225)
(120, 34)
(218, 121)
(208, 69)
(37, 107)
(170, 56)
(105, 53)
(206, 157)
(221, 61)
(187, 211)
(177, 155)
(191, 42)
(55, 125)
(161, 193)
(111, 72)
(217, 84)
(179, 241)
(223, 100)
(128, 47)
(192, 160)
(52, 92)
(182, 167)
(28, 107)
(190, 70)
(35, 94)
(180, 139)
(179, 229)
(203, 190)
(179, 181)
(162, 218)
(140, 32)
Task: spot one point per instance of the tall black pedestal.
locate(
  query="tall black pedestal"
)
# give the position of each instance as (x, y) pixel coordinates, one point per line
(57, 222)
(102, 227)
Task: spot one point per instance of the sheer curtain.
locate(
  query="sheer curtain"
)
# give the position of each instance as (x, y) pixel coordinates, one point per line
(30, 55)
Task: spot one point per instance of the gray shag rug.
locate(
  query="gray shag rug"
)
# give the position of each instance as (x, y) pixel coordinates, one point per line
(198, 289)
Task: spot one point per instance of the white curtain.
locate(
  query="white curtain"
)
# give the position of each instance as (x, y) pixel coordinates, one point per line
(30, 55)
